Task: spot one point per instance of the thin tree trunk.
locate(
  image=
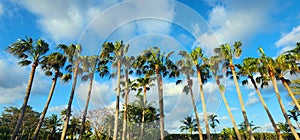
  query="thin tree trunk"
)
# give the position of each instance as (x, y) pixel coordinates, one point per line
(287, 87)
(26, 98)
(68, 111)
(266, 108)
(115, 135)
(203, 103)
(125, 105)
(40, 123)
(282, 106)
(143, 113)
(195, 108)
(82, 127)
(298, 124)
(108, 133)
(241, 102)
(161, 103)
(228, 109)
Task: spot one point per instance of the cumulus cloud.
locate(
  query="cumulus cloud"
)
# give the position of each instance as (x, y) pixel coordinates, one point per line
(252, 99)
(57, 109)
(1, 9)
(289, 40)
(14, 78)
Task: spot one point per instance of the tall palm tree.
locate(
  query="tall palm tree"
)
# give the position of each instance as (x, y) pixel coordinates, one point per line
(213, 121)
(266, 69)
(127, 62)
(73, 54)
(202, 74)
(90, 65)
(185, 66)
(286, 63)
(115, 53)
(29, 52)
(188, 125)
(163, 67)
(225, 52)
(52, 64)
(250, 66)
(214, 62)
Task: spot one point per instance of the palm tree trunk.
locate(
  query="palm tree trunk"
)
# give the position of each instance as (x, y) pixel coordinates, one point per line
(203, 103)
(195, 108)
(40, 123)
(282, 106)
(241, 102)
(115, 135)
(26, 98)
(68, 111)
(298, 124)
(228, 108)
(125, 105)
(287, 87)
(161, 103)
(266, 108)
(143, 113)
(82, 127)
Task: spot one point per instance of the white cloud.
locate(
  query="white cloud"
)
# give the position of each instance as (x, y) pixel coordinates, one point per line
(1, 9)
(289, 40)
(234, 108)
(252, 99)
(57, 109)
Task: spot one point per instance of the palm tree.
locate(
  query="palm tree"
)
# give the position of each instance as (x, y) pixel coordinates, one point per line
(163, 67)
(74, 127)
(115, 53)
(29, 52)
(90, 65)
(52, 123)
(185, 67)
(73, 54)
(203, 75)
(294, 114)
(214, 67)
(227, 54)
(213, 121)
(250, 66)
(127, 62)
(53, 62)
(266, 69)
(188, 125)
(243, 127)
(284, 127)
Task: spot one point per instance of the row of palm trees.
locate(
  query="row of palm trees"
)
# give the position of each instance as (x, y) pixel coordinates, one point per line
(153, 64)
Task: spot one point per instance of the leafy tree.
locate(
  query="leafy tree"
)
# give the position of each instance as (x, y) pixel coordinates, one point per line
(294, 114)
(52, 124)
(284, 127)
(52, 64)
(228, 133)
(225, 52)
(73, 53)
(29, 52)
(188, 125)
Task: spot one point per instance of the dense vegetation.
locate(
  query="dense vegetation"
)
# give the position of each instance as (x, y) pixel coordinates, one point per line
(139, 119)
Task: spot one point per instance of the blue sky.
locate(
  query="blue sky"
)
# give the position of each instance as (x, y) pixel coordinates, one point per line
(171, 25)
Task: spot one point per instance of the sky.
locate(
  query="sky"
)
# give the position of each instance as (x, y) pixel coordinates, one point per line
(171, 25)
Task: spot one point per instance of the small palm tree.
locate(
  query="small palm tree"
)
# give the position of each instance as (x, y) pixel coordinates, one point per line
(73, 54)
(52, 124)
(294, 114)
(29, 52)
(225, 52)
(213, 121)
(284, 127)
(188, 125)
(53, 62)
